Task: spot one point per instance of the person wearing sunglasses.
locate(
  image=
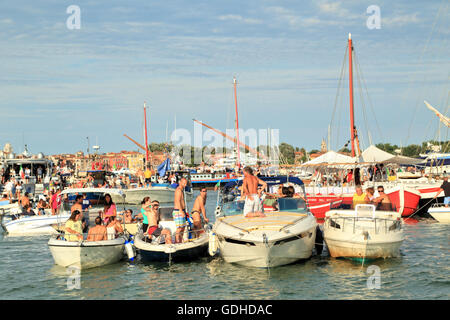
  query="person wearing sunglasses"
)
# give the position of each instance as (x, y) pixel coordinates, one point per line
(153, 222)
(197, 209)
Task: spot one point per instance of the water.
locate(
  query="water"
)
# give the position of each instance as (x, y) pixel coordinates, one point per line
(27, 272)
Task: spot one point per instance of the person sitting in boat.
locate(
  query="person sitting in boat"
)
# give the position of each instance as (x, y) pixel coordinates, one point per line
(252, 206)
(28, 211)
(445, 186)
(113, 228)
(154, 230)
(358, 197)
(128, 216)
(179, 210)
(197, 209)
(110, 208)
(370, 195)
(98, 232)
(73, 227)
(41, 206)
(383, 202)
(78, 205)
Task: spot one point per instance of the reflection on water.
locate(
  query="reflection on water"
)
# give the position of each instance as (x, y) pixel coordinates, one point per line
(27, 271)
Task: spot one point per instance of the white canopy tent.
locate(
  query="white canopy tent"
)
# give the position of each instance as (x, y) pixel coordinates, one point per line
(374, 154)
(331, 157)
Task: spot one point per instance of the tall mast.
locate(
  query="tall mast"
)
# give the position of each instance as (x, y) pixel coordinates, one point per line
(146, 139)
(237, 125)
(350, 78)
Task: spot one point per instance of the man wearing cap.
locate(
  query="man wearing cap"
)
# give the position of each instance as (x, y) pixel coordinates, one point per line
(446, 188)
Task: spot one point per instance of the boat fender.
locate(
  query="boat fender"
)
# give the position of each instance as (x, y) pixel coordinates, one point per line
(319, 241)
(129, 250)
(217, 211)
(213, 244)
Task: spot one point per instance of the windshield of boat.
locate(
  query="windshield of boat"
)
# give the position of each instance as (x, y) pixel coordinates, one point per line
(269, 205)
(93, 201)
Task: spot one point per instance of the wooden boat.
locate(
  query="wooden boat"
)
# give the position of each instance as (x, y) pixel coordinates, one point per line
(363, 233)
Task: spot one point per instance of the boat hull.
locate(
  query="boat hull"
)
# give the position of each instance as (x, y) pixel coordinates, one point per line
(278, 239)
(370, 237)
(163, 195)
(187, 251)
(271, 255)
(34, 225)
(86, 255)
(440, 214)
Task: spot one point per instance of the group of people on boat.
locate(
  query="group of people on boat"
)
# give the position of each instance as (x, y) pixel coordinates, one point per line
(382, 202)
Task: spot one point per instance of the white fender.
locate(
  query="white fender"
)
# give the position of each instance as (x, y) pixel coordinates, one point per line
(213, 244)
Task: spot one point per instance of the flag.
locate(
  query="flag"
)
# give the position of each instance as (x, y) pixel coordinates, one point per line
(164, 167)
(217, 185)
(21, 173)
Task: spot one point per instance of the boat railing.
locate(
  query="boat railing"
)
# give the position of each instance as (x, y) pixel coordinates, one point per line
(379, 224)
(439, 205)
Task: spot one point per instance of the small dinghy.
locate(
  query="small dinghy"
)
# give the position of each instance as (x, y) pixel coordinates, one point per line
(86, 254)
(440, 213)
(152, 250)
(363, 233)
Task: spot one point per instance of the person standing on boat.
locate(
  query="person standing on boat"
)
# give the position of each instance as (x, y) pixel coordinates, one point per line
(153, 221)
(179, 211)
(73, 227)
(148, 177)
(110, 208)
(78, 205)
(197, 209)
(252, 206)
(146, 205)
(86, 203)
(97, 233)
(446, 188)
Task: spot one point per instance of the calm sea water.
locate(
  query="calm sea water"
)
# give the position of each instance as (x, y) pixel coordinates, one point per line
(27, 272)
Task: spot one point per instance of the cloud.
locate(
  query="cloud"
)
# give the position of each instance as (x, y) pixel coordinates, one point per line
(235, 17)
(400, 20)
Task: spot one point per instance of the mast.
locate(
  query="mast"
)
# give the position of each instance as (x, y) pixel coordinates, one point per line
(237, 125)
(146, 139)
(350, 78)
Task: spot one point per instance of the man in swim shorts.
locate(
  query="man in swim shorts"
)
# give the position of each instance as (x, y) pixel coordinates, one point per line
(252, 206)
(179, 211)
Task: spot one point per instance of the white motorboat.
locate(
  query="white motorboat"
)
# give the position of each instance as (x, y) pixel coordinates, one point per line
(164, 193)
(86, 254)
(188, 250)
(20, 225)
(281, 237)
(440, 213)
(363, 233)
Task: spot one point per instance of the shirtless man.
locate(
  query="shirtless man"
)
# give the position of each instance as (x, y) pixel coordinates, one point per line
(153, 221)
(383, 202)
(199, 207)
(78, 205)
(253, 205)
(97, 233)
(24, 200)
(179, 211)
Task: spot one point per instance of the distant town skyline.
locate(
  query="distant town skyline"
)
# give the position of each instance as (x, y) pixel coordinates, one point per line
(61, 85)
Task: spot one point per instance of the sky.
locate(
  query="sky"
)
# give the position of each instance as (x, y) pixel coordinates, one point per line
(60, 85)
